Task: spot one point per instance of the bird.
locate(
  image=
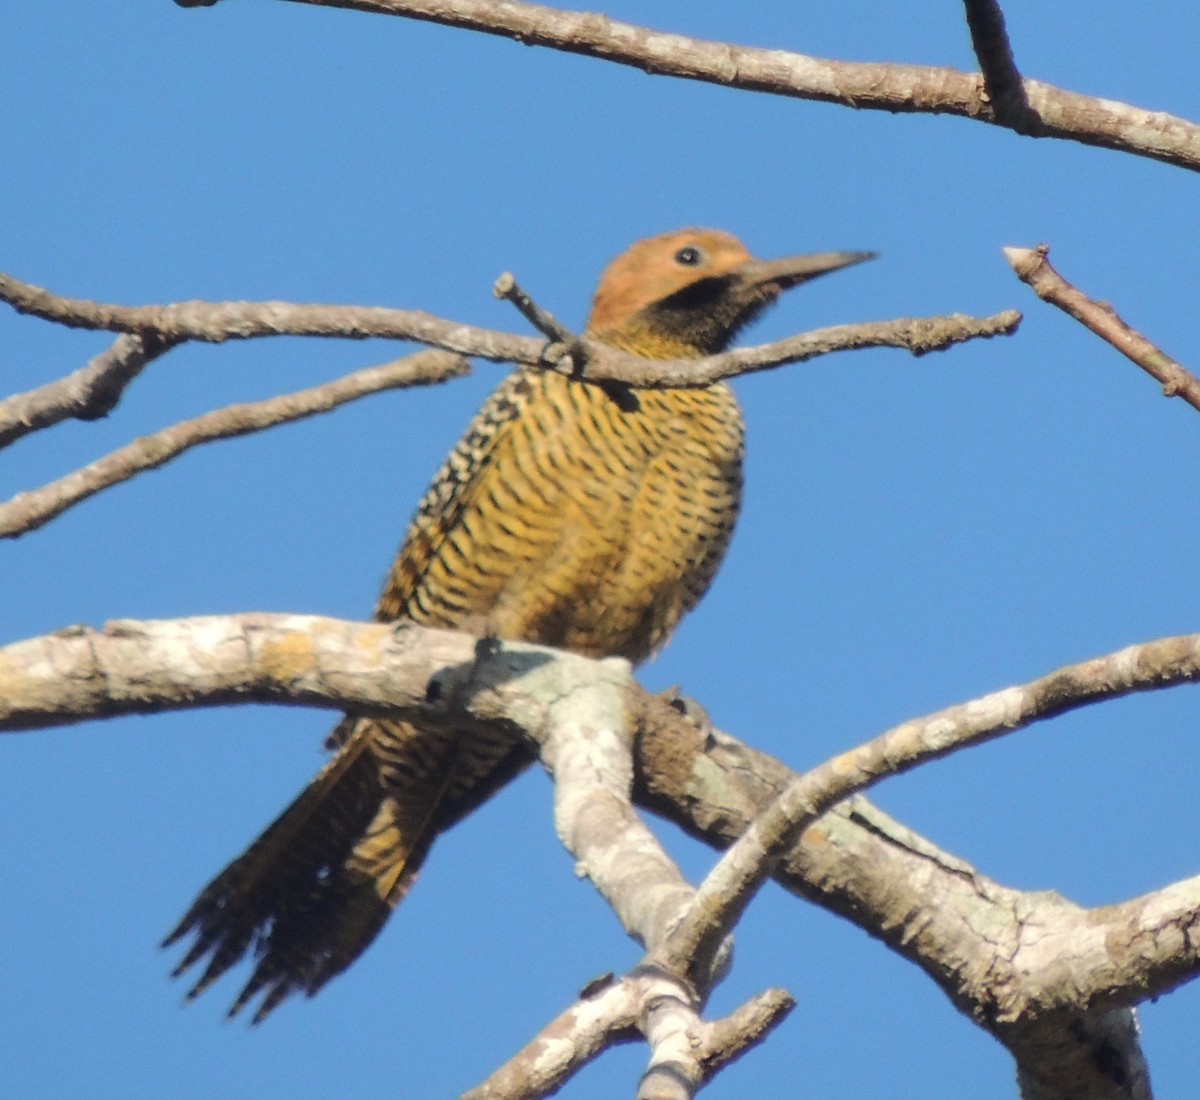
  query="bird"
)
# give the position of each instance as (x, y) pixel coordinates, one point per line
(580, 515)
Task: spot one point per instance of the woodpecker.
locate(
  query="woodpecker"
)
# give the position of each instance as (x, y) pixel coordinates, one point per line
(585, 516)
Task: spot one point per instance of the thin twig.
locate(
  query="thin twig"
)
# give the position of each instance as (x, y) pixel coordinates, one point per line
(889, 87)
(86, 394)
(507, 287)
(30, 510)
(1033, 267)
(918, 335)
(596, 1022)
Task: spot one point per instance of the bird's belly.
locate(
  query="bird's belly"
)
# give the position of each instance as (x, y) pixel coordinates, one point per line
(630, 515)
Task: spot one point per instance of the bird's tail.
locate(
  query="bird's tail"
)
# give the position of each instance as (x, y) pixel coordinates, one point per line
(309, 895)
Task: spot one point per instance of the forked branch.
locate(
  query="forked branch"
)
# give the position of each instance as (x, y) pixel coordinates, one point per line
(28, 511)
(150, 330)
(1119, 955)
(215, 322)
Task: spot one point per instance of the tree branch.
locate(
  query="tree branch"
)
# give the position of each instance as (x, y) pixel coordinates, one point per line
(507, 287)
(592, 361)
(729, 886)
(726, 1039)
(30, 510)
(879, 876)
(609, 1016)
(564, 1046)
(89, 393)
(572, 707)
(671, 1023)
(1053, 112)
(1002, 83)
(1033, 267)
(686, 1052)
(585, 744)
(1113, 955)
(214, 322)
(922, 902)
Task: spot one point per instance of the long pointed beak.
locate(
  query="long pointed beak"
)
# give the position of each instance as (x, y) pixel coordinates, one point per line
(792, 270)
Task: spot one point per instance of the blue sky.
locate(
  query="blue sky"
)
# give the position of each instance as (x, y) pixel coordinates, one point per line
(916, 532)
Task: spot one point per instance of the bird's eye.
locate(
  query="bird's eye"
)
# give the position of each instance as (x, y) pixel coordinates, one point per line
(690, 256)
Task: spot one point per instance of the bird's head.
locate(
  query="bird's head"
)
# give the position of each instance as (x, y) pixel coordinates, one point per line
(688, 292)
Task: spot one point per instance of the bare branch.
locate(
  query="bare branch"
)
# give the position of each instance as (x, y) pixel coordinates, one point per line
(608, 1017)
(727, 889)
(89, 393)
(686, 1052)
(727, 1039)
(30, 510)
(586, 746)
(587, 749)
(594, 361)
(1005, 977)
(214, 322)
(925, 89)
(1002, 83)
(137, 667)
(507, 287)
(1033, 267)
(672, 1026)
(899, 887)
(593, 813)
(1115, 955)
(564, 1046)
(1096, 1056)
(919, 335)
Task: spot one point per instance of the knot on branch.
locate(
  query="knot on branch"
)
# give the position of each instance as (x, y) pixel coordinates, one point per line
(921, 335)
